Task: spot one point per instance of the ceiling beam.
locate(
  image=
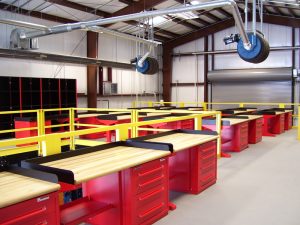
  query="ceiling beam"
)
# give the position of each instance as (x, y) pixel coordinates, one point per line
(209, 15)
(223, 12)
(276, 9)
(183, 22)
(128, 2)
(227, 23)
(292, 12)
(137, 7)
(36, 14)
(80, 7)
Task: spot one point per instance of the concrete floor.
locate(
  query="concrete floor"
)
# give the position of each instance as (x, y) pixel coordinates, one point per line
(259, 186)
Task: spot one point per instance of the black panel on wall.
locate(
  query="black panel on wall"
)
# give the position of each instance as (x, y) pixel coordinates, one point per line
(68, 93)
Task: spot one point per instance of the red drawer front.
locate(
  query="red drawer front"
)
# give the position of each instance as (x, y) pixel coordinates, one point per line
(288, 121)
(146, 192)
(150, 204)
(243, 135)
(37, 211)
(203, 167)
(149, 175)
(255, 131)
(187, 124)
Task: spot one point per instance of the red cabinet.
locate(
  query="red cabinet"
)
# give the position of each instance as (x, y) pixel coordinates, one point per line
(288, 120)
(38, 211)
(277, 124)
(255, 131)
(194, 169)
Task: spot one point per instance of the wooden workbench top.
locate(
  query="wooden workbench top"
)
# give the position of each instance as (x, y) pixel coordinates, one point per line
(15, 188)
(156, 114)
(181, 141)
(234, 121)
(254, 117)
(100, 163)
(89, 115)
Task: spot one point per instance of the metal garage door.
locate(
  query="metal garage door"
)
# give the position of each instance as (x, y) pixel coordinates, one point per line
(251, 85)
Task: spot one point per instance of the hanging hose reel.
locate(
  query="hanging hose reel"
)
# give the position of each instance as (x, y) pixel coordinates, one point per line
(259, 50)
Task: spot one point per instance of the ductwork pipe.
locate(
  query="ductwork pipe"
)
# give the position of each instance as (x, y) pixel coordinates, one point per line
(95, 29)
(84, 25)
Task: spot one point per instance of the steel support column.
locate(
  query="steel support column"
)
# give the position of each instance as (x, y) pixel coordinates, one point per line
(92, 70)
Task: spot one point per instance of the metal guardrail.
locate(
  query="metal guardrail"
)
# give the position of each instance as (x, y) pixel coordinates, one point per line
(48, 144)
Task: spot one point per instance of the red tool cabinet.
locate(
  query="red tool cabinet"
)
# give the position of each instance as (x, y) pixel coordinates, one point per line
(195, 169)
(288, 117)
(38, 211)
(277, 124)
(234, 137)
(255, 131)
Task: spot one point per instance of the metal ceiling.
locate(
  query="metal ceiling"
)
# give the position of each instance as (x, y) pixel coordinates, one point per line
(166, 28)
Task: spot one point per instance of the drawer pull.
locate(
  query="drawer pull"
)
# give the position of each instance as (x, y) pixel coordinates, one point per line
(151, 181)
(151, 210)
(151, 194)
(26, 216)
(151, 171)
(41, 199)
(42, 223)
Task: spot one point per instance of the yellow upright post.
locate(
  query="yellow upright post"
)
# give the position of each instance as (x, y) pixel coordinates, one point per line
(51, 145)
(122, 134)
(204, 106)
(282, 105)
(150, 104)
(298, 123)
(198, 122)
(181, 104)
(218, 129)
(134, 119)
(40, 127)
(241, 105)
(72, 127)
(133, 104)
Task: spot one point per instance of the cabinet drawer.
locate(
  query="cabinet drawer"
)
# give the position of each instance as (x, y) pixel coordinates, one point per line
(150, 175)
(37, 209)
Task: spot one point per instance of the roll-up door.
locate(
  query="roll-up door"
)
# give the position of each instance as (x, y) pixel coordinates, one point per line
(251, 85)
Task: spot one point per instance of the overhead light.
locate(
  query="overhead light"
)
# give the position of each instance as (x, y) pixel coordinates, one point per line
(195, 2)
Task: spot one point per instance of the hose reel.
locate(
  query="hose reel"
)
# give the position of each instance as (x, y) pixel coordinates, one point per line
(150, 65)
(259, 50)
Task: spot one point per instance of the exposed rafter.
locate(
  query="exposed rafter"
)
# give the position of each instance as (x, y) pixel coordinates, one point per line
(223, 12)
(80, 7)
(183, 22)
(276, 9)
(36, 14)
(210, 15)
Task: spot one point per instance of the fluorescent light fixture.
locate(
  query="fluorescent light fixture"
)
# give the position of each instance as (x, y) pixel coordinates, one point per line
(156, 21)
(194, 2)
(185, 15)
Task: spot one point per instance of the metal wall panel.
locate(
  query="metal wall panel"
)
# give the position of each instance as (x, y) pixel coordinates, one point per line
(253, 75)
(266, 91)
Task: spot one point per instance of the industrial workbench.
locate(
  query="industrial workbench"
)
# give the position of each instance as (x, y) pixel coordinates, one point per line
(27, 198)
(122, 183)
(193, 164)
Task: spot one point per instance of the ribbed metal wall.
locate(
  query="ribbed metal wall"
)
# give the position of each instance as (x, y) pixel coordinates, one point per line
(251, 85)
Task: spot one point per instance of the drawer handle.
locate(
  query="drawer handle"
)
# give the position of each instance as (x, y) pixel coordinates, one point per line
(151, 181)
(151, 194)
(151, 171)
(28, 215)
(151, 210)
(42, 223)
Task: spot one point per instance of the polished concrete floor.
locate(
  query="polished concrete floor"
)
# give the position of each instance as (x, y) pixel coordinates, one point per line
(259, 186)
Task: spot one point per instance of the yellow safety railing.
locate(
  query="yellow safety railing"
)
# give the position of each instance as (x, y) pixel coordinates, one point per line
(299, 123)
(207, 105)
(51, 143)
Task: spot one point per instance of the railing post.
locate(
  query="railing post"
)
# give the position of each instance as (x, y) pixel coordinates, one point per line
(218, 129)
(72, 128)
(40, 127)
(282, 105)
(204, 106)
(241, 105)
(198, 122)
(122, 134)
(134, 120)
(150, 104)
(298, 118)
(133, 104)
(181, 104)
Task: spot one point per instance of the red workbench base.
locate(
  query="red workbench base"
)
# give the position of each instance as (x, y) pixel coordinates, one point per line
(234, 138)
(42, 210)
(255, 131)
(195, 169)
(138, 195)
(288, 121)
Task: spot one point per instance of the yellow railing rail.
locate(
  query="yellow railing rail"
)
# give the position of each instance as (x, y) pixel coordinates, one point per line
(48, 144)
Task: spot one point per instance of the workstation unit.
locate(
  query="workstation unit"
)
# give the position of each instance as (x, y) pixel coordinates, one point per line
(122, 183)
(193, 163)
(28, 197)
